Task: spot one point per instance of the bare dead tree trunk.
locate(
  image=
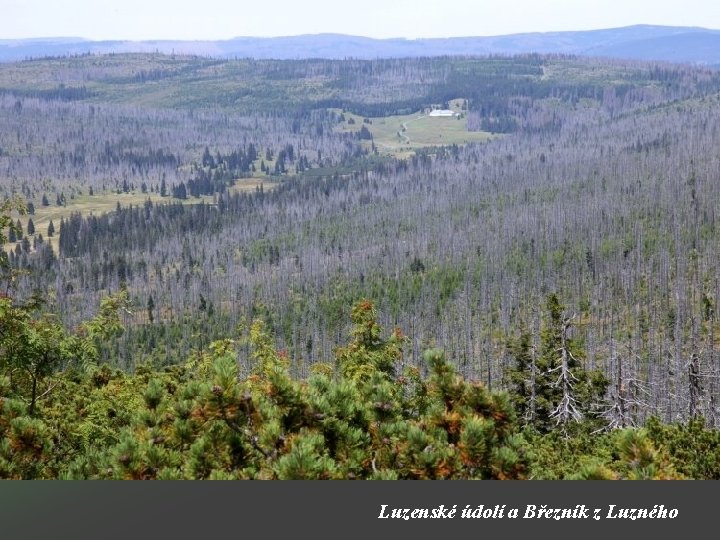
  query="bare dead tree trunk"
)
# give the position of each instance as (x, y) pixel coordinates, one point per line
(567, 409)
(695, 388)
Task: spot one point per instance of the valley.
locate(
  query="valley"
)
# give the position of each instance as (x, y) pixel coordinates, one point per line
(310, 235)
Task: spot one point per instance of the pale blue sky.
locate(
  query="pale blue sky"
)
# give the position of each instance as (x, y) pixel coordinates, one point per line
(223, 19)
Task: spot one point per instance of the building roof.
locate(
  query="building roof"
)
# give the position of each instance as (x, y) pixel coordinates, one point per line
(442, 112)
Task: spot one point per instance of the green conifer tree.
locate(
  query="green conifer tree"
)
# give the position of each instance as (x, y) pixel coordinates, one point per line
(555, 390)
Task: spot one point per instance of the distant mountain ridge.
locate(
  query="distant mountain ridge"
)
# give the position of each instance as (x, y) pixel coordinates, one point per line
(693, 45)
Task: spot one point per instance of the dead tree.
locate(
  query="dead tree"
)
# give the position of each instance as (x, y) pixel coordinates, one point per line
(567, 409)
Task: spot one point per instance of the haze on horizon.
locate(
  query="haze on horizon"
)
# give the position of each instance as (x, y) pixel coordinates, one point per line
(137, 20)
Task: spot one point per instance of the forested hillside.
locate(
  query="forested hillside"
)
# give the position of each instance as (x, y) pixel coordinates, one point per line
(565, 252)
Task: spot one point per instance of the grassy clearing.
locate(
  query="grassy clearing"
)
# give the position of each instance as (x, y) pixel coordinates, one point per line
(252, 184)
(86, 205)
(101, 203)
(107, 202)
(400, 136)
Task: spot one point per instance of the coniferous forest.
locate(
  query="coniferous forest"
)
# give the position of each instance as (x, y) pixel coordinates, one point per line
(238, 269)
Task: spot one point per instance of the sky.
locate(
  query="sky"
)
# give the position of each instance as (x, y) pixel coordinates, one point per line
(224, 19)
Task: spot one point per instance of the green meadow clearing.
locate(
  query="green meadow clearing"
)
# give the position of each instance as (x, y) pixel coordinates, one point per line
(101, 203)
(402, 135)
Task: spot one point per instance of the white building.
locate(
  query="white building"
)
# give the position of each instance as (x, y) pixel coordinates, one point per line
(443, 112)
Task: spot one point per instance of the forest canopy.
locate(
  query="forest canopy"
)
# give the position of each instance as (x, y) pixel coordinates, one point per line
(280, 269)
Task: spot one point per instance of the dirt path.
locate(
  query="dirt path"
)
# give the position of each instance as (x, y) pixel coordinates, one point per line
(403, 129)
